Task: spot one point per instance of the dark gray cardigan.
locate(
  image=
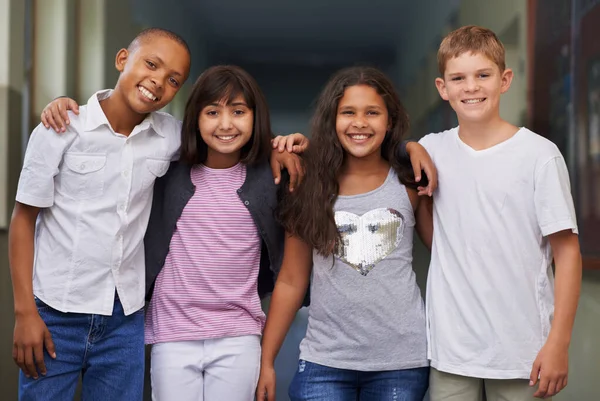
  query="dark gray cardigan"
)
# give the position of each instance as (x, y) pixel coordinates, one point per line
(173, 191)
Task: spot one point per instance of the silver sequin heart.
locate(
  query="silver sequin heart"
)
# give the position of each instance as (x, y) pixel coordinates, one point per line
(369, 238)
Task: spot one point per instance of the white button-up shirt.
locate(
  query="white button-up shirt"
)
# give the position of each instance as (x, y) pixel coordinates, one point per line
(95, 188)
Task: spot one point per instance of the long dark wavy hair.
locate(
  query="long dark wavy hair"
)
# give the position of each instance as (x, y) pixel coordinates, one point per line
(225, 82)
(308, 212)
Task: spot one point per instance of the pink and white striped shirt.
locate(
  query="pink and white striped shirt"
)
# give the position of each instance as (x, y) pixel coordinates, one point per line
(208, 285)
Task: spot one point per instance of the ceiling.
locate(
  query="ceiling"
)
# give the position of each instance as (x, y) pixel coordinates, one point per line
(300, 33)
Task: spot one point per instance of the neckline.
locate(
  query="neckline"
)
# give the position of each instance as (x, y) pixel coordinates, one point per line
(204, 168)
(374, 190)
(491, 149)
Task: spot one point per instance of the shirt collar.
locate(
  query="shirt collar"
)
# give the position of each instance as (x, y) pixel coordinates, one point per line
(96, 117)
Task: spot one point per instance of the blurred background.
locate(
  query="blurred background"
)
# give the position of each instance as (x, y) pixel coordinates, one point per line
(50, 48)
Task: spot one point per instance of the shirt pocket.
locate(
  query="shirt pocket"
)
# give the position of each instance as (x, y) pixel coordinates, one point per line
(83, 175)
(155, 167)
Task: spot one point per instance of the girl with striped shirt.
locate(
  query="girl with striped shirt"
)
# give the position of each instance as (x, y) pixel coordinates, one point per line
(213, 245)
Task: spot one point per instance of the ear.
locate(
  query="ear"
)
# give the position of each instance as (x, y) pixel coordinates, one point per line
(440, 84)
(507, 77)
(121, 59)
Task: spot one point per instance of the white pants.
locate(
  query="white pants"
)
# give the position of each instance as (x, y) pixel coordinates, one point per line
(206, 370)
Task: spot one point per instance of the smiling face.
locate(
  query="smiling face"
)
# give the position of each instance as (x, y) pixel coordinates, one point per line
(151, 73)
(361, 121)
(226, 127)
(473, 85)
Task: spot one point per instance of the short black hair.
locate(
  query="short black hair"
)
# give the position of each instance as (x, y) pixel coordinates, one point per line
(224, 83)
(150, 32)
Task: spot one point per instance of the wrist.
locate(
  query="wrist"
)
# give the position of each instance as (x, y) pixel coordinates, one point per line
(267, 363)
(559, 340)
(25, 310)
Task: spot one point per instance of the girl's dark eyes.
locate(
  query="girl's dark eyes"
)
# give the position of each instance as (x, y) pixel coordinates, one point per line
(349, 113)
(150, 64)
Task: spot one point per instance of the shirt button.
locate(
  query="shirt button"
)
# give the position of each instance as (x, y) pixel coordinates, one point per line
(125, 173)
(82, 166)
(246, 203)
(121, 207)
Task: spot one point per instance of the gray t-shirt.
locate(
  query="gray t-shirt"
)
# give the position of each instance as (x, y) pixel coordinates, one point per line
(366, 309)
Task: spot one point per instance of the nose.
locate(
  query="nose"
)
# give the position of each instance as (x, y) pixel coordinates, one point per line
(158, 82)
(359, 121)
(471, 85)
(225, 122)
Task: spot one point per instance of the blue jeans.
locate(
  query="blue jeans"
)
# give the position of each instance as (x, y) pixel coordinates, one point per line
(107, 351)
(321, 383)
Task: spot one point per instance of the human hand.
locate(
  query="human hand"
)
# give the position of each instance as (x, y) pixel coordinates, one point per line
(265, 389)
(29, 339)
(550, 370)
(55, 113)
(289, 161)
(421, 161)
(293, 143)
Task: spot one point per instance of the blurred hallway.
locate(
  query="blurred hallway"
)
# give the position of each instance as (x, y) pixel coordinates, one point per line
(67, 47)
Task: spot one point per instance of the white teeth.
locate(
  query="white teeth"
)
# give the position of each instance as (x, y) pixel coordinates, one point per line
(359, 137)
(471, 101)
(147, 93)
(226, 138)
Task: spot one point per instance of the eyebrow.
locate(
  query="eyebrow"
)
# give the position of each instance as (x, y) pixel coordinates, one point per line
(160, 61)
(478, 71)
(235, 104)
(369, 106)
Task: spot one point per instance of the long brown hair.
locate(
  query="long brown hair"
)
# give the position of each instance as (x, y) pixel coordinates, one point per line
(308, 212)
(226, 82)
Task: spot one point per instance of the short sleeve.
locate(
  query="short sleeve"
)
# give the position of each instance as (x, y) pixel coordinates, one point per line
(553, 200)
(43, 157)
(428, 142)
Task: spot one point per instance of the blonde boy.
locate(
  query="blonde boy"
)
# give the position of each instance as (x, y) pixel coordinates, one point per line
(502, 213)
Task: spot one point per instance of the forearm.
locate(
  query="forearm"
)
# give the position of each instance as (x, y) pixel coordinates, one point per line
(566, 292)
(424, 224)
(285, 302)
(402, 152)
(20, 254)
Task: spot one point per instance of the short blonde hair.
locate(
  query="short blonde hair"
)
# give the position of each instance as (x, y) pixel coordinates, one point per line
(471, 39)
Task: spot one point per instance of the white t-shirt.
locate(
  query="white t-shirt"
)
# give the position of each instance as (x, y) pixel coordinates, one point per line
(95, 187)
(490, 290)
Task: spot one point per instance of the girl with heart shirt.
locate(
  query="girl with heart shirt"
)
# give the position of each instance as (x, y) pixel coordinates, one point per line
(350, 227)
